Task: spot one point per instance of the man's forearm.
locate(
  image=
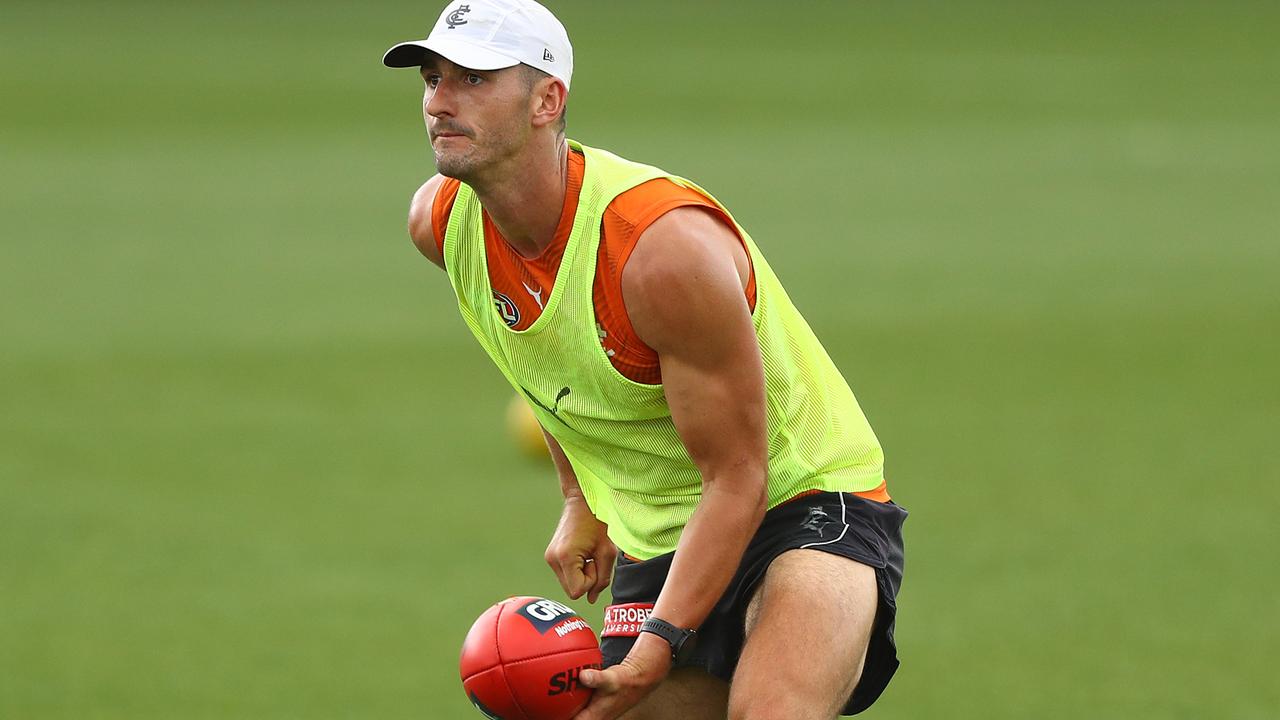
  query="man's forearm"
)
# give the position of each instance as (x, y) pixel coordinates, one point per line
(580, 552)
(564, 469)
(710, 550)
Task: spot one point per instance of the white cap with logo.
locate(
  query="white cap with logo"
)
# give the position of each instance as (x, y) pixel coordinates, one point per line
(491, 35)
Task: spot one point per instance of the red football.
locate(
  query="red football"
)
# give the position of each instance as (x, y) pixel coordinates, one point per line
(522, 657)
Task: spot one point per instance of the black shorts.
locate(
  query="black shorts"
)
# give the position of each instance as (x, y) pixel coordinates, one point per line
(839, 523)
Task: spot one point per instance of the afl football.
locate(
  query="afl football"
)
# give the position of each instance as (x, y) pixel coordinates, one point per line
(522, 658)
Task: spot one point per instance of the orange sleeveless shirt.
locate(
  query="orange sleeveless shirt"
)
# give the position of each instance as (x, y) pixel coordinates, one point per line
(521, 285)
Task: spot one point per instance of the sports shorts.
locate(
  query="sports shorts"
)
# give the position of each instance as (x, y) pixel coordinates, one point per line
(842, 524)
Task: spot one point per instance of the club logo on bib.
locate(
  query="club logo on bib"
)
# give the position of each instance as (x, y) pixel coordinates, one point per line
(507, 309)
(455, 17)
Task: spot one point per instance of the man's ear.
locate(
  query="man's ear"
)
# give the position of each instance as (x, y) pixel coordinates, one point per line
(548, 100)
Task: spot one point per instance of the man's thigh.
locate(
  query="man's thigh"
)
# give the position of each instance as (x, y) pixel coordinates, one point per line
(807, 630)
(686, 694)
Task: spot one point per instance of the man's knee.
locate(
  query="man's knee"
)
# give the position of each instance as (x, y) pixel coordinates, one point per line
(686, 694)
(751, 699)
(772, 707)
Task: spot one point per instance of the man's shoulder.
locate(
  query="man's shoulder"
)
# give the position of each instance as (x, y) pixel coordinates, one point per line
(429, 215)
(664, 206)
(438, 190)
(650, 198)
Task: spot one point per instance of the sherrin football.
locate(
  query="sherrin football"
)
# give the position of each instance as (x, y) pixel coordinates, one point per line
(522, 659)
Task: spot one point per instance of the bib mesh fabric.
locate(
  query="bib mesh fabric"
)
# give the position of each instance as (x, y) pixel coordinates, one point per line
(632, 467)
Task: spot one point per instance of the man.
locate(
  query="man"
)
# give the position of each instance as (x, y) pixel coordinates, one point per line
(706, 445)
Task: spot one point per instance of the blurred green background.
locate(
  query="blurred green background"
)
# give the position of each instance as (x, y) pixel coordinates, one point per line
(252, 465)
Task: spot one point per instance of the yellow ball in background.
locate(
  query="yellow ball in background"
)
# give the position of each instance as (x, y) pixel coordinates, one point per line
(524, 429)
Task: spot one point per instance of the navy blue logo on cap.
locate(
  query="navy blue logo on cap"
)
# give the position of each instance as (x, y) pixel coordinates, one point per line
(455, 17)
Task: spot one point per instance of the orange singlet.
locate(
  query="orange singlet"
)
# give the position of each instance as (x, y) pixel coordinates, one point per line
(521, 285)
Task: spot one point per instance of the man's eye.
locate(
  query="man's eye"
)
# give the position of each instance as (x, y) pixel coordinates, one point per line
(473, 79)
(432, 80)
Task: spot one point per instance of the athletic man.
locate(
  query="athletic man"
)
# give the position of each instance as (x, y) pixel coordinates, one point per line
(707, 447)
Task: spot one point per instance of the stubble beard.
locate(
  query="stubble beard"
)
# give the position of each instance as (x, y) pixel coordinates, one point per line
(456, 165)
(461, 163)
(473, 165)
(474, 162)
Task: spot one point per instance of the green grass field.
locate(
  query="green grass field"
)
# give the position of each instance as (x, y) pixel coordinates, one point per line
(252, 464)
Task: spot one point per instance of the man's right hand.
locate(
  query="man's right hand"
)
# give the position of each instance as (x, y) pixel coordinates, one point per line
(581, 553)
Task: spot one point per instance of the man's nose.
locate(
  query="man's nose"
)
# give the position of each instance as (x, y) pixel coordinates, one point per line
(439, 100)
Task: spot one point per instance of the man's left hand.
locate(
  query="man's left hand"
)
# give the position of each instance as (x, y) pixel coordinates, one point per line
(623, 686)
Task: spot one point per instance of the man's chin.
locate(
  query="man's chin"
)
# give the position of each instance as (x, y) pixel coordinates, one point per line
(452, 166)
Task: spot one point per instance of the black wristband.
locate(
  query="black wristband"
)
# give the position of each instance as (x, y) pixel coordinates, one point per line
(677, 638)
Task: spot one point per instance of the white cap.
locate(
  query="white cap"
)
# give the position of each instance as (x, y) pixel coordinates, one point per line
(490, 35)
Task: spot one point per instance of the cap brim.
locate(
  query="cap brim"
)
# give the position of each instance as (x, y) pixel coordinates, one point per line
(460, 52)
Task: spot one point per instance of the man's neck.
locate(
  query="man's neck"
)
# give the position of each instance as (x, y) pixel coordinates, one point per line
(526, 201)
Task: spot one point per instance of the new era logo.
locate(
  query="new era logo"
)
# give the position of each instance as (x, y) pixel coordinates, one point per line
(546, 55)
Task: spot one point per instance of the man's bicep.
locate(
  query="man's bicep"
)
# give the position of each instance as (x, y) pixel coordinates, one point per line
(719, 410)
(684, 296)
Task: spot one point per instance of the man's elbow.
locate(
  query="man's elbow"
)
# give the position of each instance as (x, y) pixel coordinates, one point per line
(748, 487)
(761, 497)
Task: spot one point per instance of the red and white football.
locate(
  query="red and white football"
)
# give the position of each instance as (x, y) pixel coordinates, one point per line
(522, 659)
